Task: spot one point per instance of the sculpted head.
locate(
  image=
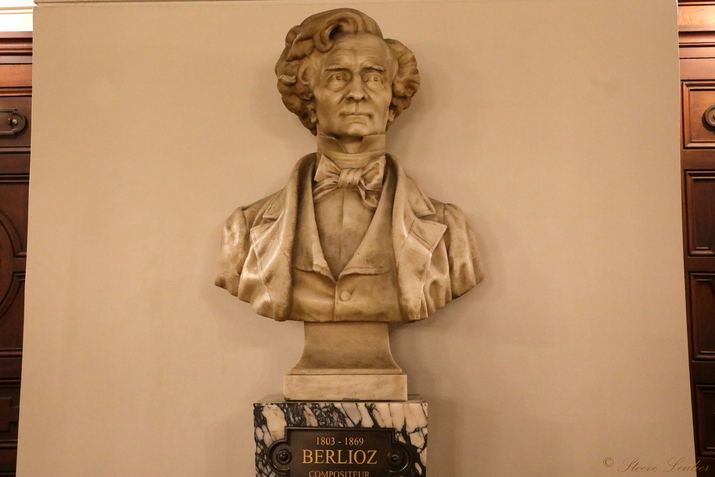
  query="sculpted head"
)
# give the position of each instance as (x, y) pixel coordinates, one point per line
(341, 77)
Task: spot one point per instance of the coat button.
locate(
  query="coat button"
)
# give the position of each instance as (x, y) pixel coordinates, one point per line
(345, 295)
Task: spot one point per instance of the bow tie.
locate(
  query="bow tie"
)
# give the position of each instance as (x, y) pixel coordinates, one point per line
(367, 180)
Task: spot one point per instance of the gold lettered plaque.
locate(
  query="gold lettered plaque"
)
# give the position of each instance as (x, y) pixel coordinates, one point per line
(340, 452)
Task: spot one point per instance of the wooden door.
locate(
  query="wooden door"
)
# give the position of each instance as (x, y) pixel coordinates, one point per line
(15, 131)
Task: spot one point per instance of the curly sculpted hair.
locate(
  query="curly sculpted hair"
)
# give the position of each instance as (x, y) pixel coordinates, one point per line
(316, 35)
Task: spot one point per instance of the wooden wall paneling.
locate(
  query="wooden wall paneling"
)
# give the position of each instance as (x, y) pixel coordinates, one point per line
(19, 99)
(9, 409)
(694, 159)
(14, 188)
(15, 94)
(697, 74)
(700, 212)
(698, 96)
(702, 312)
(705, 407)
(697, 69)
(16, 46)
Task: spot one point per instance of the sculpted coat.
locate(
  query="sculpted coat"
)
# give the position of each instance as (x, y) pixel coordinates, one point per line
(417, 254)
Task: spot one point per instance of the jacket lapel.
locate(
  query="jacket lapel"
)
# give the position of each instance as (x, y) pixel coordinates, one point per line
(415, 234)
(272, 240)
(307, 252)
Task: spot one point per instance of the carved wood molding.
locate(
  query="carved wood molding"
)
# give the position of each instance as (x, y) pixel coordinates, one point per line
(705, 403)
(16, 43)
(702, 304)
(696, 29)
(700, 189)
(697, 97)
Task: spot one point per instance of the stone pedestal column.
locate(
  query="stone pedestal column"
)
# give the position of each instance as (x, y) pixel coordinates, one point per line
(350, 360)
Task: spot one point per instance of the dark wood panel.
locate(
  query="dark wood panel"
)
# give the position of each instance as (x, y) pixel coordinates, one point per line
(13, 221)
(702, 372)
(11, 365)
(698, 51)
(700, 212)
(697, 69)
(15, 92)
(9, 410)
(16, 75)
(705, 419)
(8, 457)
(14, 188)
(14, 163)
(698, 96)
(702, 316)
(700, 264)
(16, 44)
(695, 159)
(12, 310)
(696, 38)
(9, 418)
(690, 38)
(20, 100)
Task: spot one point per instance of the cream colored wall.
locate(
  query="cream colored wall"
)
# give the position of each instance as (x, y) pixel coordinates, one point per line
(553, 124)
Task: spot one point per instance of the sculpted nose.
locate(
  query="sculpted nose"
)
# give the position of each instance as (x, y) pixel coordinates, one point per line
(356, 91)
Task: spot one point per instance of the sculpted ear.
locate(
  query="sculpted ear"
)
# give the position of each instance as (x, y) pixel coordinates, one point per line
(391, 115)
(311, 112)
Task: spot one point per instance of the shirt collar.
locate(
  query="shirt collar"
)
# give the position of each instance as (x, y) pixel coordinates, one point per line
(371, 148)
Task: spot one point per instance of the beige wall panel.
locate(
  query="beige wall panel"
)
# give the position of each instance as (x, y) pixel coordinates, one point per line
(553, 124)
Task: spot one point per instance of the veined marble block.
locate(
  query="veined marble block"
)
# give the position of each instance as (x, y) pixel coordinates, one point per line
(408, 419)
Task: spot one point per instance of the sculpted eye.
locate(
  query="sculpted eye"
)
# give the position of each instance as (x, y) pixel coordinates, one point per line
(337, 79)
(373, 77)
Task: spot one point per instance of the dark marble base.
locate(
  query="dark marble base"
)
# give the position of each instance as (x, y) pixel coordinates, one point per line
(408, 419)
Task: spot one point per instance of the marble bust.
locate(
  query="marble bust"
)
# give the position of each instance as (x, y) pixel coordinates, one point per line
(351, 243)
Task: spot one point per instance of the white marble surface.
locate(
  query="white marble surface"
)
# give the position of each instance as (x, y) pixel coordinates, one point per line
(407, 418)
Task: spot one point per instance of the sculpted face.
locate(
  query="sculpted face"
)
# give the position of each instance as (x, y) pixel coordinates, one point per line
(354, 89)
